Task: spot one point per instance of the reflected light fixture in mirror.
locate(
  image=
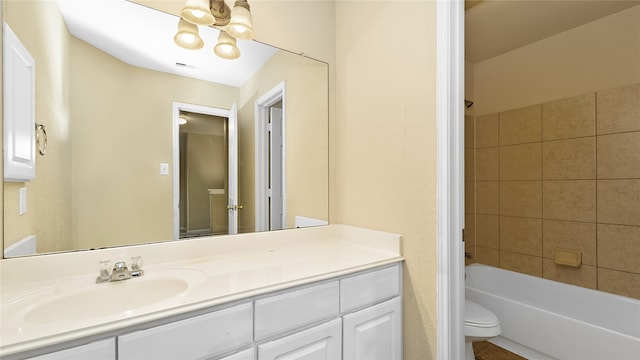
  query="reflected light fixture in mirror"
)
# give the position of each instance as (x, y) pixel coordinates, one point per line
(236, 23)
(187, 36)
(241, 26)
(226, 47)
(197, 12)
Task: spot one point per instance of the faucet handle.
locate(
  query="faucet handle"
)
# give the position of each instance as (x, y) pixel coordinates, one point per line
(103, 269)
(136, 266)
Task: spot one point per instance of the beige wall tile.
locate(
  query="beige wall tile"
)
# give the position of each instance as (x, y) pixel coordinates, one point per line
(585, 276)
(619, 109)
(569, 235)
(619, 202)
(487, 166)
(573, 200)
(488, 231)
(470, 230)
(521, 263)
(619, 155)
(618, 282)
(488, 256)
(619, 247)
(469, 197)
(520, 126)
(521, 198)
(487, 131)
(469, 164)
(488, 197)
(521, 162)
(569, 118)
(521, 235)
(469, 132)
(569, 159)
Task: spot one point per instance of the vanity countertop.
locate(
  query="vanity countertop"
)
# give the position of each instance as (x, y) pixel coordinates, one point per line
(204, 272)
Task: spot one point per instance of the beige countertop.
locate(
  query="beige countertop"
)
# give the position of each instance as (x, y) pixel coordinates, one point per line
(212, 271)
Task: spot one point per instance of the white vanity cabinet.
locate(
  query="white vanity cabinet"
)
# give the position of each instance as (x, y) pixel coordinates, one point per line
(199, 337)
(351, 317)
(99, 350)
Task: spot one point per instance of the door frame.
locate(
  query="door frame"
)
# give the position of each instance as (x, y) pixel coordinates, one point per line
(450, 178)
(177, 107)
(277, 93)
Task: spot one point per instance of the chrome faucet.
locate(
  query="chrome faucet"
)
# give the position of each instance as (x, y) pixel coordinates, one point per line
(120, 270)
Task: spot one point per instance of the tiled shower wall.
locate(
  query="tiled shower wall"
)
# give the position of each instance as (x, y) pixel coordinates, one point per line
(563, 174)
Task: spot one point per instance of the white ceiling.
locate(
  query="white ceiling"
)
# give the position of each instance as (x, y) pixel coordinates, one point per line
(494, 27)
(143, 37)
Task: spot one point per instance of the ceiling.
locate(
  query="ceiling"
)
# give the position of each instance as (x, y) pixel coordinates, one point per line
(140, 36)
(494, 27)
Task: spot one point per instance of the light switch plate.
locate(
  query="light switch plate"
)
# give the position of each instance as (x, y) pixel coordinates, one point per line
(23, 201)
(164, 169)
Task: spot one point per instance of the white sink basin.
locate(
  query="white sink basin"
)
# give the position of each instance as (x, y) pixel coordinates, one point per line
(75, 301)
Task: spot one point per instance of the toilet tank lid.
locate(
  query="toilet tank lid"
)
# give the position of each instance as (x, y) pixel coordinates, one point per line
(478, 315)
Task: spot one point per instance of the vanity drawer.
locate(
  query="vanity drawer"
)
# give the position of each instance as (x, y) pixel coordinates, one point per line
(369, 288)
(194, 338)
(294, 309)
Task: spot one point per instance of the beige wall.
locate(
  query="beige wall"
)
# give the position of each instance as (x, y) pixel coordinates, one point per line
(385, 143)
(306, 136)
(40, 27)
(603, 54)
(121, 135)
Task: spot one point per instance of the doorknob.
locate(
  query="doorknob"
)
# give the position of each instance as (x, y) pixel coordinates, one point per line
(234, 207)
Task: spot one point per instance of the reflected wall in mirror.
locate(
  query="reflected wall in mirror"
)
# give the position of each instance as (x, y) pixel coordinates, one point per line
(110, 128)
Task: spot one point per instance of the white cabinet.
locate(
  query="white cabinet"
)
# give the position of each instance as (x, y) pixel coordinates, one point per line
(19, 110)
(374, 333)
(352, 317)
(322, 342)
(99, 350)
(198, 337)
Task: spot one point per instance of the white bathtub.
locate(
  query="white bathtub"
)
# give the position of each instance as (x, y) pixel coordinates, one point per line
(544, 319)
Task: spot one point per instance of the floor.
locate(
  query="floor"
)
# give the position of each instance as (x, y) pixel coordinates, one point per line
(485, 350)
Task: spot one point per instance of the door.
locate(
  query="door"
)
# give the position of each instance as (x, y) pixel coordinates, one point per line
(233, 207)
(276, 201)
(232, 142)
(374, 333)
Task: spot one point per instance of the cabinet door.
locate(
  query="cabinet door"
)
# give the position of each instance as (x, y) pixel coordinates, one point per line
(322, 342)
(99, 350)
(374, 333)
(199, 337)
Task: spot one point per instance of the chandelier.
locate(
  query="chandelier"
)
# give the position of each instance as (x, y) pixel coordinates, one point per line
(233, 24)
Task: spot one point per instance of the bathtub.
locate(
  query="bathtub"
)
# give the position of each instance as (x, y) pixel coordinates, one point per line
(544, 319)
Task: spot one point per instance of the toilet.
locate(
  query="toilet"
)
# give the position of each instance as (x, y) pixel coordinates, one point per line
(479, 324)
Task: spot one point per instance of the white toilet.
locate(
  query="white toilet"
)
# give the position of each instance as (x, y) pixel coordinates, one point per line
(479, 324)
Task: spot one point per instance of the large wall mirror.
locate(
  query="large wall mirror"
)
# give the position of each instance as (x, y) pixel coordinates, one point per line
(119, 168)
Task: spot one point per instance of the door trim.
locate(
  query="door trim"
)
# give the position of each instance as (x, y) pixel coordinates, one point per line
(450, 178)
(262, 105)
(177, 107)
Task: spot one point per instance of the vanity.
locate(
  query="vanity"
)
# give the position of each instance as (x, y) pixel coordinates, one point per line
(326, 292)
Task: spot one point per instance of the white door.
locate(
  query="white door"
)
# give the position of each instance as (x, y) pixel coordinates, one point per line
(232, 184)
(318, 343)
(374, 333)
(233, 207)
(276, 143)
